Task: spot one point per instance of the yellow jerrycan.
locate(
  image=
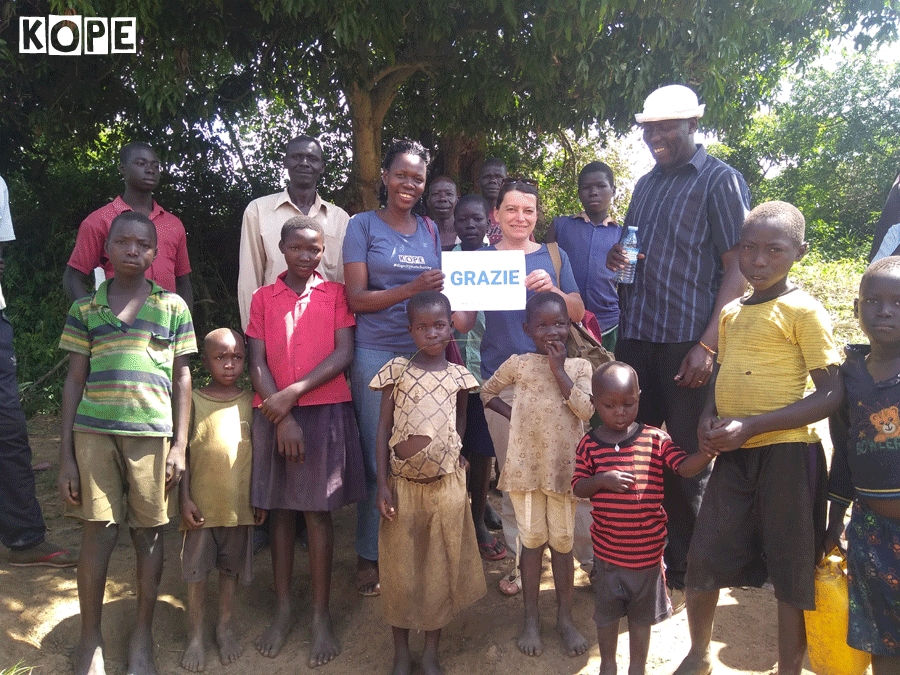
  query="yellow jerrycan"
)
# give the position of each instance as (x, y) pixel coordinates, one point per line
(826, 627)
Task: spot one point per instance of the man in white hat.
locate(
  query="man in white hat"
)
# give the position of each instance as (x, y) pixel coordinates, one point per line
(689, 210)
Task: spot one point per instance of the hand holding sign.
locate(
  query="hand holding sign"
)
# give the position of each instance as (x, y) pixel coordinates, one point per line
(430, 280)
(484, 280)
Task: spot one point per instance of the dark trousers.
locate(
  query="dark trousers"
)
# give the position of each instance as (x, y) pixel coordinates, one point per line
(662, 401)
(21, 522)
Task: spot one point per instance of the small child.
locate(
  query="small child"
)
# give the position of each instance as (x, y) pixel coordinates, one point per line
(865, 470)
(306, 452)
(550, 404)
(429, 564)
(619, 466)
(215, 496)
(124, 428)
(763, 511)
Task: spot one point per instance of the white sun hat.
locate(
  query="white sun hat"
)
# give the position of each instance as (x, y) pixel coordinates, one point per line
(673, 102)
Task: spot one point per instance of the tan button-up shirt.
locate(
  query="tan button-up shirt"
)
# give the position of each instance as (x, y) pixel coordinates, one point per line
(261, 262)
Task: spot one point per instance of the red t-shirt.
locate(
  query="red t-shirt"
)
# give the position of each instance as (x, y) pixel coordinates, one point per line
(171, 257)
(298, 331)
(629, 528)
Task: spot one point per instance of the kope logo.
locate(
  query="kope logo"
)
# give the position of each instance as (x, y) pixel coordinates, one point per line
(76, 35)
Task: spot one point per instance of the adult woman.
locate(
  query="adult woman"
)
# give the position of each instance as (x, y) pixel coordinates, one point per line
(389, 255)
(517, 212)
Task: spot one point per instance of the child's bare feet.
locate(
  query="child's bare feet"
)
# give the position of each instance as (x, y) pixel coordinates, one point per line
(272, 639)
(324, 646)
(230, 648)
(88, 658)
(529, 642)
(140, 654)
(194, 658)
(574, 642)
(402, 664)
(695, 664)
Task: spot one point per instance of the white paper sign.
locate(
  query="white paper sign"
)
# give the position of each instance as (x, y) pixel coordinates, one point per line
(484, 280)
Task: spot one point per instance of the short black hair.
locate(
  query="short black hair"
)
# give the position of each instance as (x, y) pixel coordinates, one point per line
(473, 198)
(126, 150)
(216, 332)
(427, 299)
(543, 299)
(605, 370)
(493, 161)
(888, 264)
(442, 179)
(597, 167)
(301, 223)
(786, 217)
(404, 146)
(304, 138)
(133, 217)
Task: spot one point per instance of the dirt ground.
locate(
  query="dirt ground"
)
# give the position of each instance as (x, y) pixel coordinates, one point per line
(39, 614)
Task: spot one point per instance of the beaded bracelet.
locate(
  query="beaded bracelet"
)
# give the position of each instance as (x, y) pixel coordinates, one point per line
(707, 348)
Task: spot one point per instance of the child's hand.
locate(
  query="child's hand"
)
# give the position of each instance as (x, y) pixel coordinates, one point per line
(557, 353)
(728, 434)
(69, 483)
(290, 440)
(190, 514)
(174, 465)
(278, 405)
(464, 463)
(386, 503)
(617, 481)
(259, 516)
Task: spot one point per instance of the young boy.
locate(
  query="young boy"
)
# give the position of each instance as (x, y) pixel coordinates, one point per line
(762, 515)
(619, 466)
(865, 470)
(550, 404)
(124, 429)
(215, 496)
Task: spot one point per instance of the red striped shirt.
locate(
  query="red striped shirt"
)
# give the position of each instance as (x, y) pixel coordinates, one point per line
(629, 528)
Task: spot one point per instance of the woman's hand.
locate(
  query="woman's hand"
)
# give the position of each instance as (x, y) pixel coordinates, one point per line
(539, 280)
(278, 405)
(432, 280)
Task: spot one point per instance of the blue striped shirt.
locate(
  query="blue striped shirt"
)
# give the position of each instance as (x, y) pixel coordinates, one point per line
(686, 219)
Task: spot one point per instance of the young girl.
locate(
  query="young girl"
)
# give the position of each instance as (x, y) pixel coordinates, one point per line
(550, 402)
(306, 453)
(865, 470)
(429, 563)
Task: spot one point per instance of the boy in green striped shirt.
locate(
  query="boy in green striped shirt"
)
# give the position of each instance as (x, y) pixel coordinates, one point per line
(125, 413)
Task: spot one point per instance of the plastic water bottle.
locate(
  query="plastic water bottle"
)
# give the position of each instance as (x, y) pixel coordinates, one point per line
(630, 243)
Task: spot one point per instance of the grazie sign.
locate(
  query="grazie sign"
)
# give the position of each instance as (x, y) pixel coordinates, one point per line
(484, 280)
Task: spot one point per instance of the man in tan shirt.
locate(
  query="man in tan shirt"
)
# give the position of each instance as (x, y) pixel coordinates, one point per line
(260, 261)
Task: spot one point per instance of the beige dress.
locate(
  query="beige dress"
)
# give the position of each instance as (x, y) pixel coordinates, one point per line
(429, 564)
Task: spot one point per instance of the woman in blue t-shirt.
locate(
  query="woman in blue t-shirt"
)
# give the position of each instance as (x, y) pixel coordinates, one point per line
(517, 212)
(389, 255)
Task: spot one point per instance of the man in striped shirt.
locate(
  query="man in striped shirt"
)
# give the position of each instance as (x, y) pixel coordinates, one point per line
(689, 210)
(619, 466)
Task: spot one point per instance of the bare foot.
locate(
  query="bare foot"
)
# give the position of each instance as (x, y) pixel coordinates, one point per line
(695, 664)
(609, 668)
(194, 658)
(529, 642)
(574, 642)
(402, 664)
(88, 659)
(324, 646)
(140, 655)
(430, 664)
(272, 639)
(229, 646)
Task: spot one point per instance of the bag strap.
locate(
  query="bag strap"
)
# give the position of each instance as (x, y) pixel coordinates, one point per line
(553, 250)
(433, 232)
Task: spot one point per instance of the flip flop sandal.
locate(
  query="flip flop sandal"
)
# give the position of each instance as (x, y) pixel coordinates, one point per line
(511, 585)
(493, 551)
(367, 582)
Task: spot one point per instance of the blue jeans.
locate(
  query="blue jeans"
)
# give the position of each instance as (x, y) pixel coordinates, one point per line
(367, 404)
(21, 522)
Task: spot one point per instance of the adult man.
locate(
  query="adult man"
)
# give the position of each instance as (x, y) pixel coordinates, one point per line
(490, 180)
(441, 200)
(22, 526)
(689, 210)
(261, 261)
(139, 166)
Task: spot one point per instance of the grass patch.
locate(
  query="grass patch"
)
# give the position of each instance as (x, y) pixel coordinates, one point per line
(835, 284)
(17, 669)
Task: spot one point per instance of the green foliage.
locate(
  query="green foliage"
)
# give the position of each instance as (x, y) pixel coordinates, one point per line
(835, 284)
(832, 149)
